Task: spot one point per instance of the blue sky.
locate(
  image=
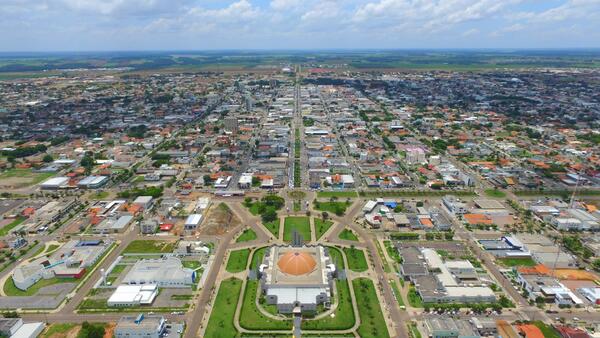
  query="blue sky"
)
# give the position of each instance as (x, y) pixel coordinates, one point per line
(83, 25)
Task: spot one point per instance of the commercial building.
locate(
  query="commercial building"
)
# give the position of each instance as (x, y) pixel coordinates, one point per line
(166, 273)
(114, 224)
(15, 328)
(55, 183)
(70, 261)
(133, 295)
(297, 279)
(92, 182)
(193, 221)
(142, 326)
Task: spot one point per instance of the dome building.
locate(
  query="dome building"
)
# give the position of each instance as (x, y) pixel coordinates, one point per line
(297, 279)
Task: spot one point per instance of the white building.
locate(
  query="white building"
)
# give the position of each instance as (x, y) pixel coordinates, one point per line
(133, 295)
(193, 221)
(166, 273)
(245, 181)
(55, 183)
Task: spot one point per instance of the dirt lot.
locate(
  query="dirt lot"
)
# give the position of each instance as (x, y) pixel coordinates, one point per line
(219, 220)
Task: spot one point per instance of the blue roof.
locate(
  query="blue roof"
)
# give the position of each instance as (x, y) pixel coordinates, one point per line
(390, 204)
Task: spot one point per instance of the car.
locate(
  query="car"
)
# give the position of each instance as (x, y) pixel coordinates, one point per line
(576, 319)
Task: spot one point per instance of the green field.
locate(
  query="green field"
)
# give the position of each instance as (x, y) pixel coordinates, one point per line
(57, 328)
(372, 322)
(547, 330)
(495, 193)
(397, 293)
(7, 228)
(273, 227)
(149, 246)
(348, 235)
(356, 259)
(238, 260)
(510, 262)
(299, 223)
(257, 257)
(413, 298)
(26, 177)
(344, 314)
(338, 194)
(321, 227)
(336, 257)
(247, 235)
(220, 323)
(337, 208)
(414, 332)
(100, 195)
(252, 319)
(11, 290)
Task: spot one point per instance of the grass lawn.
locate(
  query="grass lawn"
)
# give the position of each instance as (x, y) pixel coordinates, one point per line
(252, 319)
(220, 323)
(338, 208)
(495, 193)
(100, 195)
(413, 298)
(34, 178)
(11, 290)
(344, 315)
(257, 257)
(372, 322)
(338, 194)
(298, 223)
(237, 260)
(392, 252)
(548, 331)
(7, 228)
(191, 264)
(414, 332)
(321, 227)
(336, 257)
(247, 235)
(57, 328)
(149, 246)
(356, 259)
(397, 293)
(273, 227)
(525, 261)
(386, 266)
(348, 235)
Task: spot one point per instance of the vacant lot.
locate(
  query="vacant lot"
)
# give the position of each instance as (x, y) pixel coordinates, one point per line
(149, 246)
(20, 178)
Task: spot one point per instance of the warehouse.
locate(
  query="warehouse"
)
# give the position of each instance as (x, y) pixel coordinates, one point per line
(55, 183)
(133, 295)
(166, 273)
(92, 182)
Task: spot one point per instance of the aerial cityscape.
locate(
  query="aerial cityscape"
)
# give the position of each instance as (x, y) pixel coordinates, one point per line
(313, 192)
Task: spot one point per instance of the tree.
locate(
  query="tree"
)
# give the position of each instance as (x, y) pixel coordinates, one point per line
(269, 215)
(48, 158)
(324, 215)
(88, 163)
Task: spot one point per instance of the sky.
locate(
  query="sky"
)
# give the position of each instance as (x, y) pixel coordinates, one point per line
(105, 25)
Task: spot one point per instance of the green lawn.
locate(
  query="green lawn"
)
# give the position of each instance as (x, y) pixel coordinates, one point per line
(356, 259)
(34, 178)
(414, 332)
(237, 260)
(321, 227)
(338, 194)
(100, 195)
(220, 323)
(338, 208)
(348, 235)
(392, 252)
(247, 235)
(252, 319)
(273, 227)
(413, 298)
(495, 193)
(257, 257)
(7, 228)
(336, 257)
(149, 246)
(397, 293)
(547, 330)
(510, 262)
(384, 261)
(372, 322)
(344, 315)
(299, 223)
(191, 264)
(56, 328)
(11, 290)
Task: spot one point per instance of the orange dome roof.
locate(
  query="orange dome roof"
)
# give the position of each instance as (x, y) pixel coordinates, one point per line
(296, 263)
